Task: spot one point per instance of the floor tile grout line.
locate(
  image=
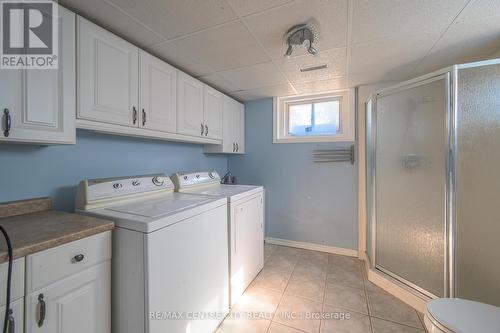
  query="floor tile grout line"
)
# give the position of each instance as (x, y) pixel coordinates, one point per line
(281, 298)
(396, 322)
(364, 273)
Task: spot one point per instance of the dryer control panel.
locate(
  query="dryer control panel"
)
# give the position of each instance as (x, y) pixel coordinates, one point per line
(195, 179)
(94, 191)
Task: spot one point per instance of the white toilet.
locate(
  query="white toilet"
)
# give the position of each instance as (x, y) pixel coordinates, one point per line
(455, 315)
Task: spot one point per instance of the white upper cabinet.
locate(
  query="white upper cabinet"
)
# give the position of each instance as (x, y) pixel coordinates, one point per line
(125, 90)
(228, 144)
(107, 76)
(158, 87)
(38, 105)
(233, 129)
(213, 105)
(239, 125)
(190, 119)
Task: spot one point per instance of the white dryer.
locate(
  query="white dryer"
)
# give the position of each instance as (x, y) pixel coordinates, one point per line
(170, 254)
(245, 213)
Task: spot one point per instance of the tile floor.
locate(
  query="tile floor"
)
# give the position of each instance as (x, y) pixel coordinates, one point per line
(306, 291)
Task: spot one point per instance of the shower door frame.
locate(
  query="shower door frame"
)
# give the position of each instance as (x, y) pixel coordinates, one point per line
(449, 75)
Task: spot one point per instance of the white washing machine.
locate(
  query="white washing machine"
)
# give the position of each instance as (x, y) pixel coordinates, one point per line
(170, 254)
(245, 213)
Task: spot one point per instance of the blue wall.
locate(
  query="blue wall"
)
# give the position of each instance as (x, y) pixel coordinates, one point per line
(307, 202)
(28, 171)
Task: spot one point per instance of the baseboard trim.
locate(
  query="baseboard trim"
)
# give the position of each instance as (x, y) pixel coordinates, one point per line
(312, 246)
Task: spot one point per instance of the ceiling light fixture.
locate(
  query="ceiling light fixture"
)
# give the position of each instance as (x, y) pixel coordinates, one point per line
(302, 34)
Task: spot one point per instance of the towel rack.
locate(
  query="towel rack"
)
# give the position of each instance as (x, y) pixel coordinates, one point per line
(334, 155)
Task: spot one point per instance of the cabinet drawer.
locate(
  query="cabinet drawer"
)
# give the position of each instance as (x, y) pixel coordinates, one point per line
(17, 287)
(17, 316)
(48, 266)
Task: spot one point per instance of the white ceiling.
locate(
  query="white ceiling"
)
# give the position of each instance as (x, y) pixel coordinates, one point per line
(237, 45)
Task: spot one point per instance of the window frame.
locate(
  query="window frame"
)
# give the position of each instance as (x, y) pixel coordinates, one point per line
(346, 117)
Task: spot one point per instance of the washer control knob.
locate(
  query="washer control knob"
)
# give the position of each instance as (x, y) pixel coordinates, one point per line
(197, 176)
(117, 186)
(136, 183)
(158, 181)
(185, 177)
(211, 175)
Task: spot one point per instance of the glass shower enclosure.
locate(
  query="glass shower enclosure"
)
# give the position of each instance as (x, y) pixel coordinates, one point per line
(433, 195)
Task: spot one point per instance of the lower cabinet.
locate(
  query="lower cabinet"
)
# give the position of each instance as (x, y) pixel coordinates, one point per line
(65, 289)
(80, 303)
(68, 287)
(16, 316)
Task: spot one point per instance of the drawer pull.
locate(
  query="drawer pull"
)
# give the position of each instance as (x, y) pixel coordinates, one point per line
(41, 310)
(134, 115)
(11, 323)
(6, 113)
(78, 258)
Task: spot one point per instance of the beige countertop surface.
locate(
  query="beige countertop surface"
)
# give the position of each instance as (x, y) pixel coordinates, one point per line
(33, 227)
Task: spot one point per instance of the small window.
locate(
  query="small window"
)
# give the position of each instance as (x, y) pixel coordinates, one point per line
(314, 118)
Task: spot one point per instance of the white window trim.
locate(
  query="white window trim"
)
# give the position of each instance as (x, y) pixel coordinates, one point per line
(347, 110)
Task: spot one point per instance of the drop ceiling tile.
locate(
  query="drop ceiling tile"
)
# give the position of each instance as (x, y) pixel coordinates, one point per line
(271, 26)
(377, 76)
(114, 20)
(174, 18)
(464, 42)
(479, 10)
(225, 47)
(335, 59)
(321, 85)
(188, 63)
(247, 7)
(219, 82)
(389, 18)
(263, 92)
(390, 55)
(255, 76)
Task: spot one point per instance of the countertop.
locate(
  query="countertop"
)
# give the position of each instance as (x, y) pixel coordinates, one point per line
(33, 226)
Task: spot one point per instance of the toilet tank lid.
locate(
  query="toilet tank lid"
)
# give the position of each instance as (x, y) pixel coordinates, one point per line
(460, 315)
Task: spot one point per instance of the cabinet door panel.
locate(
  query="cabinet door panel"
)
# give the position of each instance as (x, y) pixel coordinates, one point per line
(77, 304)
(157, 94)
(107, 76)
(239, 127)
(228, 121)
(41, 102)
(189, 105)
(213, 104)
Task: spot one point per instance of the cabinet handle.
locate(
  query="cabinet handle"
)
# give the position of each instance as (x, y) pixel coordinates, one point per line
(202, 129)
(206, 130)
(143, 117)
(11, 324)
(78, 258)
(41, 310)
(134, 114)
(237, 147)
(234, 147)
(7, 122)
